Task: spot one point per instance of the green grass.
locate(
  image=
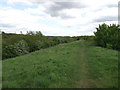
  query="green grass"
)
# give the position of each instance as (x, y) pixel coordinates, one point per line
(63, 66)
(102, 66)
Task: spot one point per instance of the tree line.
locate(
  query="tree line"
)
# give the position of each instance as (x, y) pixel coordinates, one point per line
(19, 44)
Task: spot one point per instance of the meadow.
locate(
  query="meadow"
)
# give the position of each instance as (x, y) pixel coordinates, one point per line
(77, 64)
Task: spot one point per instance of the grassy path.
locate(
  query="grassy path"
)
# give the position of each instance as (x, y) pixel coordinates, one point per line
(73, 65)
(83, 71)
(96, 65)
(85, 81)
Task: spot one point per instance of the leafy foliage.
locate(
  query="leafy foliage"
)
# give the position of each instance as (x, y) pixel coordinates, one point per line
(21, 47)
(107, 36)
(20, 44)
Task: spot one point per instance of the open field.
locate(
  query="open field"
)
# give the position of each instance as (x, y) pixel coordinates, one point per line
(74, 65)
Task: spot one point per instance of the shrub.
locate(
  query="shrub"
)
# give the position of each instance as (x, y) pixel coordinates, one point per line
(21, 47)
(14, 50)
(108, 36)
(8, 51)
(20, 44)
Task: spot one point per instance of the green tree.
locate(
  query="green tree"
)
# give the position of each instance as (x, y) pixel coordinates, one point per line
(108, 36)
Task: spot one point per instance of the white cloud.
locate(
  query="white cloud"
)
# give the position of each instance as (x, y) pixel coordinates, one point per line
(17, 17)
(75, 12)
(28, 2)
(69, 21)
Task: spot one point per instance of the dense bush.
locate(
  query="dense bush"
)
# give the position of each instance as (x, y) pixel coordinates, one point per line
(21, 48)
(19, 44)
(108, 36)
(8, 51)
(14, 50)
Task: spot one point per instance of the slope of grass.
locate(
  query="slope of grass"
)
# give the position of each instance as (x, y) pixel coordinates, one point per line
(52, 67)
(77, 64)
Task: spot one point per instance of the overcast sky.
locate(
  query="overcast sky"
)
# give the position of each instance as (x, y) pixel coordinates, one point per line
(57, 17)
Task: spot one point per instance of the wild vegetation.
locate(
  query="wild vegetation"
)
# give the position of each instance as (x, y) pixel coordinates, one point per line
(61, 62)
(20, 44)
(108, 36)
(76, 64)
